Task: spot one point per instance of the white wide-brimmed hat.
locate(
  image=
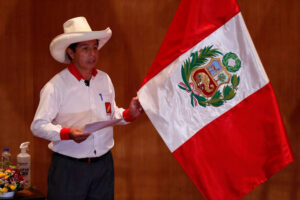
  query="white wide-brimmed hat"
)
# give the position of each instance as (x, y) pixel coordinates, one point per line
(76, 30)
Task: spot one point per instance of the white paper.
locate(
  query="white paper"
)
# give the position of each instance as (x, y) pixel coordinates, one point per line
(95, 126)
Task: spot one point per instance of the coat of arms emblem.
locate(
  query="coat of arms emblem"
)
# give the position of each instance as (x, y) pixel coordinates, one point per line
(210, 79)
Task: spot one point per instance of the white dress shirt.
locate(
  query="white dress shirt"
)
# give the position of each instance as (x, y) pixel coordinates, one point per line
(67, 102)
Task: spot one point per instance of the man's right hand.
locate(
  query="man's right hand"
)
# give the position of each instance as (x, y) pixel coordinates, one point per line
(77, 135)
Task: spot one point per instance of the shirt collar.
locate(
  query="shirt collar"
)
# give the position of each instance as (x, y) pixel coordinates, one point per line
(77, 74)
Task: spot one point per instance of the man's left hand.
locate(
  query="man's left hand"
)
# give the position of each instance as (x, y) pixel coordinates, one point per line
(135, 107)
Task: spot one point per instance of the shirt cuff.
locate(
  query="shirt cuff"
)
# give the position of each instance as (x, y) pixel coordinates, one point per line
(64, 134)
(127, 117)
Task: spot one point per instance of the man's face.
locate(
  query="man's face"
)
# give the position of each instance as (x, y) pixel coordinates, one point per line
(85, 56)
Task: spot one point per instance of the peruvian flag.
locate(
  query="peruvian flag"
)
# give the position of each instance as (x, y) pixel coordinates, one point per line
(209, 98)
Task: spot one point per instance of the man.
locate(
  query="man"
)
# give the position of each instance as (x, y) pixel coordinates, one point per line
(82, 165)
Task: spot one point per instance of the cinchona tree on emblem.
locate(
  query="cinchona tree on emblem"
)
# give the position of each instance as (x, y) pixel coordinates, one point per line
(209, 77)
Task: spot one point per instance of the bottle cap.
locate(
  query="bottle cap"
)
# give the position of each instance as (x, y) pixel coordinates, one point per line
(6, 149)
(24, 147)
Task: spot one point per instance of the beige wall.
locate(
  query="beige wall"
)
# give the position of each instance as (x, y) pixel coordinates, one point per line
(144, 167)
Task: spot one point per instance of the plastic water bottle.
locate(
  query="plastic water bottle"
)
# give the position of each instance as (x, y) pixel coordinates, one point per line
(23, 160)
(5, 158)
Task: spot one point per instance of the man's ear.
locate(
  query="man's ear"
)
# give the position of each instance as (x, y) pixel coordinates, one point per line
(71, 53)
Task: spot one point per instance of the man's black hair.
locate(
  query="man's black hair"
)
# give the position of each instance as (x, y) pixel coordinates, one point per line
(73, 48)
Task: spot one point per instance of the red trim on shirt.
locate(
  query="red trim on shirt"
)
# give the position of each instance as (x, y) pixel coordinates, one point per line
(94, 72)
(77, 74)
(127, 117)
(64, 134)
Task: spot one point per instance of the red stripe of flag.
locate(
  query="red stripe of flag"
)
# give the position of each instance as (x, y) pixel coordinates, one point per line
(236, 152)
(189, 28)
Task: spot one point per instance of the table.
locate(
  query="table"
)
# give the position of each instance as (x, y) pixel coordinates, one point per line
(29, 194)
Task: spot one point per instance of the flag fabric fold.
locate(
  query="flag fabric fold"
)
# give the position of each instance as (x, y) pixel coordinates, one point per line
(212, 103)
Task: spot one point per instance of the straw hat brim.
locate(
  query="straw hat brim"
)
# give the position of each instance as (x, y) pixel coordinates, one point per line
(61, 42)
